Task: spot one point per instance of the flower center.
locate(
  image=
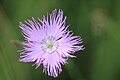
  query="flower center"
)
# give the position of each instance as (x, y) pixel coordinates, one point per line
(49, 44)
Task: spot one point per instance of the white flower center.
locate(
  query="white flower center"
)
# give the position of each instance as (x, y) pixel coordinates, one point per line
(49, 44)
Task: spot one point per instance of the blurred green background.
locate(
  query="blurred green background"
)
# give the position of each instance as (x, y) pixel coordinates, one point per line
(96, 21)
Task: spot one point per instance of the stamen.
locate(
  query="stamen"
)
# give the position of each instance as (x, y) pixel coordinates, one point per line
(50, 46)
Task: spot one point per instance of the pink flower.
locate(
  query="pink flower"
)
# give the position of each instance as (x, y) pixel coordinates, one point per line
(48, 42)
